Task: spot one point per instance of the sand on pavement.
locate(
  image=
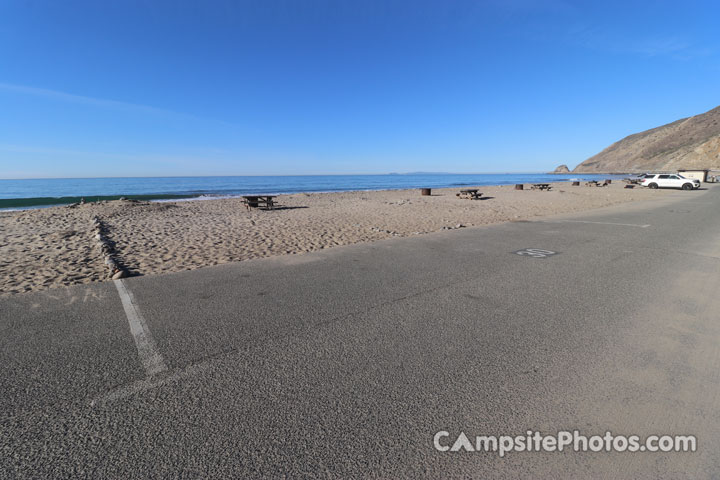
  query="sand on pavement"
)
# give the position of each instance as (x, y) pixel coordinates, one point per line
(55, 246)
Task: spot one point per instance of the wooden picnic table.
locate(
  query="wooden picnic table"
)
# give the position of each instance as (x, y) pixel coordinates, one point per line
(471, 193)
(259, 201)
(540, 186)
(595, 183)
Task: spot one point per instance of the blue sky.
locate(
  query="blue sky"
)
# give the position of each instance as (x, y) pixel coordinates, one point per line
(92, 88)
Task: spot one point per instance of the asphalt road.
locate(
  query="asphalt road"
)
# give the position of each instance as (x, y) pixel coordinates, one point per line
(346, 362)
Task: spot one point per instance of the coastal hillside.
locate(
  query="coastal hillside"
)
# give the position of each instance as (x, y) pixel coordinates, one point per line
(688, 143)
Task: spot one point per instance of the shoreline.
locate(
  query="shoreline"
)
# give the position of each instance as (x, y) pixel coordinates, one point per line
(33, 202)
(55, 246)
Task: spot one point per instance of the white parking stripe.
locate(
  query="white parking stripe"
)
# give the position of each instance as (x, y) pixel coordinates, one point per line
(147, 350)
(149, 383)
(607, 223)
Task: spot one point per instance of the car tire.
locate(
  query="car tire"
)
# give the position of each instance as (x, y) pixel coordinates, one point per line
(687, 186)
(653, 185)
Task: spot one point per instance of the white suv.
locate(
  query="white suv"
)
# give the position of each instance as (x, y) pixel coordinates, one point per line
(669, 180)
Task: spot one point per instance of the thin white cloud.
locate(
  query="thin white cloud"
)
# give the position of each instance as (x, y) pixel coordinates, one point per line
(104, 103)
(601, 39)
(532, 6)
(55, 151)
(196, 157)
(69, 97)
(659, 46)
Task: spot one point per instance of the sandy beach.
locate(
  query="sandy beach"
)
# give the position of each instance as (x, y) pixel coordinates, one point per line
(56, 246)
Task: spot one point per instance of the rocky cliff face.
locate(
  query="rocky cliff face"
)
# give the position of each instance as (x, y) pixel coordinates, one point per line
(688, 143)
(562, 169)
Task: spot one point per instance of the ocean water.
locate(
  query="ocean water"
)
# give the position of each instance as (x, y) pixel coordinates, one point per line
(35, 193)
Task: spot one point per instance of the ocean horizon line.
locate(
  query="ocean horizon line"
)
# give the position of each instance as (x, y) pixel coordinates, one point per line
(286, 175)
